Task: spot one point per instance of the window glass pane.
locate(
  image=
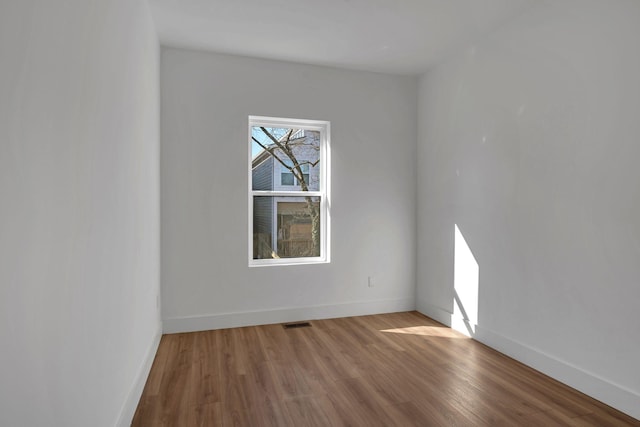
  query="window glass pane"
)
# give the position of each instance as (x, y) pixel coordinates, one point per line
(286, 227)
(286, 179)
(278, 150)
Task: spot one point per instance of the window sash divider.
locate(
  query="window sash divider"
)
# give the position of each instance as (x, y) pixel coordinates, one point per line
(287, 193)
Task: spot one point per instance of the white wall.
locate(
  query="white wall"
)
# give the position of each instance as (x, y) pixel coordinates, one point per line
(529, 141)
(79, 211)
(206, 101)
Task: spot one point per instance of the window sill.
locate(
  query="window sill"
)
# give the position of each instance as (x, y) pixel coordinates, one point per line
(286, 262)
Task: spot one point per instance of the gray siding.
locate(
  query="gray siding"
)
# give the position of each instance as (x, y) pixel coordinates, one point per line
(262, 176)
(262, 214)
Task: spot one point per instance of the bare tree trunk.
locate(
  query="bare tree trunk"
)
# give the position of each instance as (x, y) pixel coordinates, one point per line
(314, 213)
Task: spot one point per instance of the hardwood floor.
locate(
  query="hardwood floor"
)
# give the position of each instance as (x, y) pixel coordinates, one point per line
(400, 369)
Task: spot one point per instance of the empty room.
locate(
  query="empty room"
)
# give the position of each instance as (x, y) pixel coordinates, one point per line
(327, 213)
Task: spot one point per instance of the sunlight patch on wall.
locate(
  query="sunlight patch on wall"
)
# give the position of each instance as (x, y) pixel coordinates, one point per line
(466, 279)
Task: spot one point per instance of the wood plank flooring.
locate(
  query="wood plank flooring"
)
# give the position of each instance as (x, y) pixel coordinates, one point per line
(400, 369)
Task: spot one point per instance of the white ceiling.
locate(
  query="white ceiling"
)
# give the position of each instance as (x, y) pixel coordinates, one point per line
(391, 36)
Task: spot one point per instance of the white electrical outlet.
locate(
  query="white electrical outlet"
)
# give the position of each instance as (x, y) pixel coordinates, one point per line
(370, 281)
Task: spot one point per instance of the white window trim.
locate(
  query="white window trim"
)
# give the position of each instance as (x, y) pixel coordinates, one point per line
(325, 180)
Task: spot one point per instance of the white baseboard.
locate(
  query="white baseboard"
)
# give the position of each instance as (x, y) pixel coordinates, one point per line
(130, 405)
(612, 394)
(436, 313)
(266, 317)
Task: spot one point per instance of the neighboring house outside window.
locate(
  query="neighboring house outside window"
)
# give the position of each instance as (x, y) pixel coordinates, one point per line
(287, 177)
(288, 195)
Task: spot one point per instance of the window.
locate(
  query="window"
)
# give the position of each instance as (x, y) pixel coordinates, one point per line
(288, 191)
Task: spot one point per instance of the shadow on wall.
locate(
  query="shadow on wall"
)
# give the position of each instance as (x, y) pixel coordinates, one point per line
(466, 281)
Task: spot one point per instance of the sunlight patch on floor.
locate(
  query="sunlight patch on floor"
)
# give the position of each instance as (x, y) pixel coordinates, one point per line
(431, 331)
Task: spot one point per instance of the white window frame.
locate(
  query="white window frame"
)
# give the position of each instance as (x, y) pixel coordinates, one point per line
(323, 127)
